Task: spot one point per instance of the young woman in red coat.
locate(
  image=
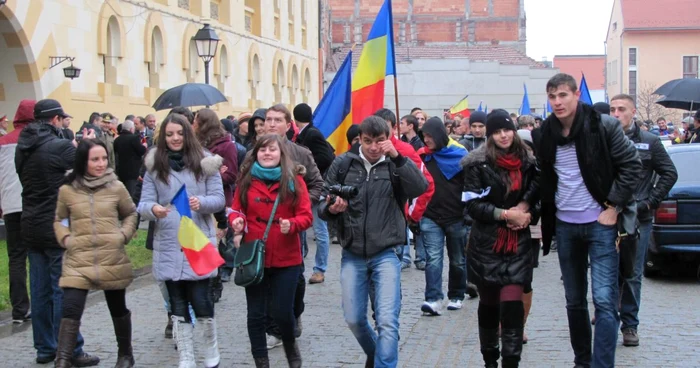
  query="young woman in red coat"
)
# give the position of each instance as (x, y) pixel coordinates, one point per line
(266, 174)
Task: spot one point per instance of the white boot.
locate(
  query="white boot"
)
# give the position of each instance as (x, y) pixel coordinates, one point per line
(183, 335)
(206, 341)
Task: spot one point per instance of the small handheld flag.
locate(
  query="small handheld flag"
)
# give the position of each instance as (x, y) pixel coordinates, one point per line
(202, 255)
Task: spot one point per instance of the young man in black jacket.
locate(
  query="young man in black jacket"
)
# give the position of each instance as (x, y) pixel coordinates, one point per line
(128, 152)
(589, 171)
(655, 161)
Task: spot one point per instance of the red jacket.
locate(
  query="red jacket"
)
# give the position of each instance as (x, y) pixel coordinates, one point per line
(280, 250)
(418, 206)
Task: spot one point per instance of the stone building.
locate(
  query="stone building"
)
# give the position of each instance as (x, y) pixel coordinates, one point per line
(130, 51)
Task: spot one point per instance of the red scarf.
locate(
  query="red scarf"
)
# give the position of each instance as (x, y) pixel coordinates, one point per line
(513, 164)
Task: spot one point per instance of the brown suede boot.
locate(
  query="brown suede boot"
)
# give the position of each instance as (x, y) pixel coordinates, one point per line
(122, 330)
(67, 338)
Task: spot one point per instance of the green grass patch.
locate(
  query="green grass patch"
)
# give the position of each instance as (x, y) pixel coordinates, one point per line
(136, 249)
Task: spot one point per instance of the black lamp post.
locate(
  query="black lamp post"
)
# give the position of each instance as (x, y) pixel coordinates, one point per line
(206, 41)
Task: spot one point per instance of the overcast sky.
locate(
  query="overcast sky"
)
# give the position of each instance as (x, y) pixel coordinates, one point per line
(566, 27)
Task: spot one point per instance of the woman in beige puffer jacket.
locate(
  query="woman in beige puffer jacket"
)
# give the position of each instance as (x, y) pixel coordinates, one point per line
(95, 218)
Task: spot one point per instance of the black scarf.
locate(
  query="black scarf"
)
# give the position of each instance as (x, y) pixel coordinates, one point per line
(176, 160)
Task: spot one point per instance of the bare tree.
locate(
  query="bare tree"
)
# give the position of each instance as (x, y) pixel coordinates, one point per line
(648, 109)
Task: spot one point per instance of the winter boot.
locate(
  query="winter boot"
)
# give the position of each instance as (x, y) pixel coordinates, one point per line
(122, 330)
(67, 338)
(291, 350)
(169, 327)
(207, 341)
(512, 316)
(488, 338)
(182, 332)
(262, 362)
(527, 304)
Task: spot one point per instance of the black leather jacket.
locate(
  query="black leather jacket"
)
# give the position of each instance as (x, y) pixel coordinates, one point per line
(656, 163)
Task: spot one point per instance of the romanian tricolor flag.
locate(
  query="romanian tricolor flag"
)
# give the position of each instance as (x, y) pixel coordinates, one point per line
(376, 62)
(461, 108)
(202, 255)
(333, 115)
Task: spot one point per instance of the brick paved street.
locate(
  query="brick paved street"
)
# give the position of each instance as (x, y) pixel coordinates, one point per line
(670, 330)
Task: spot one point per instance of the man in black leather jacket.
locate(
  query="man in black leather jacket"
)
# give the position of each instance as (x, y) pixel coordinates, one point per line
(655, 162)
(589, 171)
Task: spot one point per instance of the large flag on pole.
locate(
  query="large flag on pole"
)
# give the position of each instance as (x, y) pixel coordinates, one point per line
(376, 62)
(461, 108)
(525, 106)
(333, 115)
(585, 93)
(202, 255)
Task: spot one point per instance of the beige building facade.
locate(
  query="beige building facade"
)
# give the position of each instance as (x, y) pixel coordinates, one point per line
(130, 51)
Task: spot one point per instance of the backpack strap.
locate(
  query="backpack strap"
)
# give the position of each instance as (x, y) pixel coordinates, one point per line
(343, 169)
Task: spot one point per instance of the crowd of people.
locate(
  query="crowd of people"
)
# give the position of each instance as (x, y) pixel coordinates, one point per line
(491, 189)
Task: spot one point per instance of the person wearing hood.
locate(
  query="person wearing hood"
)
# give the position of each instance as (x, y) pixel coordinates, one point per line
(11, 195)
(232, 127)
(443, 220)
(256, 128)
(477, 130)
(242, 135)
(42, 159)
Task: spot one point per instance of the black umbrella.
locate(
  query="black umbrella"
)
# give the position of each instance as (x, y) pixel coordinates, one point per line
(680, 94)
(189, 94)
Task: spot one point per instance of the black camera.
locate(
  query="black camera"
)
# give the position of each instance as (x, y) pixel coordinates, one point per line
(345, 192)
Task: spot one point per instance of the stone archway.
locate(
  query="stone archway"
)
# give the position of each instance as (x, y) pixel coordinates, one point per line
(20, 77)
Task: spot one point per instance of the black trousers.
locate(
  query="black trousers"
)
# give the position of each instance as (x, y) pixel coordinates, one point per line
(74, 303)
(17, 254)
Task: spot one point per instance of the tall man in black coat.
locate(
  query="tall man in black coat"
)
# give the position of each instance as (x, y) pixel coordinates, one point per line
(589, 171)
(128, 153)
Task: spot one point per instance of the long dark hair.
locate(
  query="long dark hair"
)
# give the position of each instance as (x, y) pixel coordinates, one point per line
(209, 128)
(82, 156)
(493, 152)
(192, 151)
(245, 178)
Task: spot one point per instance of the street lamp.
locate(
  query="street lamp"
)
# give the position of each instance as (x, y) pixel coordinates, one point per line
(206, 41)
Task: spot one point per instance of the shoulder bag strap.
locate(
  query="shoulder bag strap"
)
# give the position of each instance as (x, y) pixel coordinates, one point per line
(272, 218)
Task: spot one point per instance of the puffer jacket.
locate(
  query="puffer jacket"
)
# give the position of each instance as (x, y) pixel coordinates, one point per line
(655, 161)
(373, 221)
(486, 266)
(281, 250)
(95, 256)
(169, 261)
(41, 161)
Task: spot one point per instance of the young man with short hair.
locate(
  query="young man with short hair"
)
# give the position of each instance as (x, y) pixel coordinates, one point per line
(477, 137)
(589, 170)
(372, 242)
(408, 129)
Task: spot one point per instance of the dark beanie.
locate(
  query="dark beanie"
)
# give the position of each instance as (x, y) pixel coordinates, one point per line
(497, 121)
(352, 132)
(302, 113)
(228, 125)
(602, 108)
(477, 117)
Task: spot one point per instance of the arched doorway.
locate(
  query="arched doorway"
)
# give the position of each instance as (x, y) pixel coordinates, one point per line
(19, 76)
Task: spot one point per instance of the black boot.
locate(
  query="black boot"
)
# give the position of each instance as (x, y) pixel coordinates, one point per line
(488, 338)
(122, 330)
(512, 314)
(262, 362)
(291, 350)
(67, 338)
(169, 327)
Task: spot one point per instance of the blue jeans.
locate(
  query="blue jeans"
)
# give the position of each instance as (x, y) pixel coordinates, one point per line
(576, 243)
(47, 300)
(632, 287)
(406, 250)
(420, 249)
(383, 270)
(190, 294)
(304, 245)
(322, 242)
(434, 241)
(166, 300)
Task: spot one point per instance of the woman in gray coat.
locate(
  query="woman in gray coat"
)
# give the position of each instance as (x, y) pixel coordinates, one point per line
(180, 159)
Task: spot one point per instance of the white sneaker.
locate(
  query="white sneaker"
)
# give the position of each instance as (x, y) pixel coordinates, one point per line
(432, 308)
(273, 342)
(454, 304)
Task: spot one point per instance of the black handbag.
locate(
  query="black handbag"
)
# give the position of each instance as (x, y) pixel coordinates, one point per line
(627, 247)
(250, 257)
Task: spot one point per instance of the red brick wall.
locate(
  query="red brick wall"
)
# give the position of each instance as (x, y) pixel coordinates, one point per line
(501, 31)
(506, 8)
(441, 32)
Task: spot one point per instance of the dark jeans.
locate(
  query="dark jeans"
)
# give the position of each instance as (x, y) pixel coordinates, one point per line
(74, 303)
(278, 287)
(47, 300)
(17, 255)
(632, 287)
(576, 243)
(299, 306)
(195, 293)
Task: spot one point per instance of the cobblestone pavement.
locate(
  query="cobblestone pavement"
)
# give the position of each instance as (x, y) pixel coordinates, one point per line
(669, 333)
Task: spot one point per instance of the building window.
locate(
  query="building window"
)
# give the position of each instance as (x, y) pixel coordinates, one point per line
(253, 19)
(633, 84)
(184, 4)
(214, 10)
(633, 57)
(690, 66)
(110, 61)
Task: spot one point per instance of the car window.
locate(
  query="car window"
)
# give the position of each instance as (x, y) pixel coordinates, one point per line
(685, 162)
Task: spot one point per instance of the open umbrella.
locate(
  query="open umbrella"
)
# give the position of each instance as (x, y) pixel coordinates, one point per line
(189, 94)
(680, 94)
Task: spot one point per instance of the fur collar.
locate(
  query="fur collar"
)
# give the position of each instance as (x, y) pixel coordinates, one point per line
(300, 170)
(478, 156)
(210, 164)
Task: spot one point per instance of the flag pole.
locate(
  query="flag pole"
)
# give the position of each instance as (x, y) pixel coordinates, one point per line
(396, 95)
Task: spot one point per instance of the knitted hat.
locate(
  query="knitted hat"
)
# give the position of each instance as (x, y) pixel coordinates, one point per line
(602, 108)
(497, 121)
(302, 113)
(477, 117)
